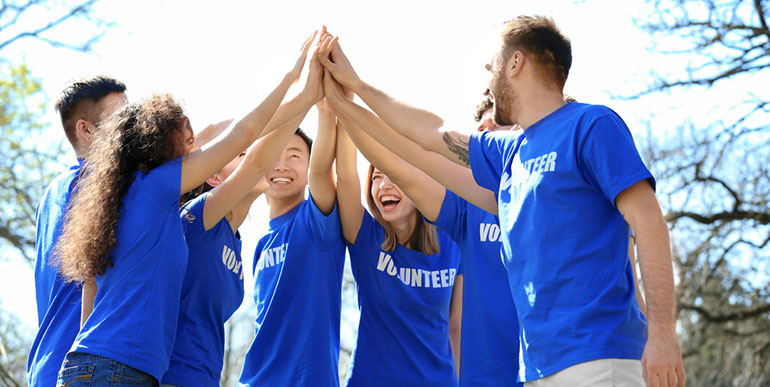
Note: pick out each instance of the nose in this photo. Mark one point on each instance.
(486, 92)
(280, 165)
(385, 183)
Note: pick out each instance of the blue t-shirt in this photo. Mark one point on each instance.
(404, 298)
(556, 186)
(58, 303)
(137, 301)
(211, 292)
(489, 354)
(297, 288)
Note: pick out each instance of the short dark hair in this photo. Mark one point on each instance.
(539, 37)
(79, 99)
(483, 107)
(308, 141)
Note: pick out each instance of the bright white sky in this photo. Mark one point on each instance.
(222, 58)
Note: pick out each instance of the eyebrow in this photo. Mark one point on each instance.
(293, 148)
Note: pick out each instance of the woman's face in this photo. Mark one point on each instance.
(392, 203)
(186, 138)
(228, 169)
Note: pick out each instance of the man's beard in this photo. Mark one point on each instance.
(504, 98)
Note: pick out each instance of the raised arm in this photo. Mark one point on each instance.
(426, 194)
(321, 176)
(240, 184)
(241, 210)
(211, 132)
(348, 187)
(662, 357)
(418, 125)
(454, 177)
(201, 164)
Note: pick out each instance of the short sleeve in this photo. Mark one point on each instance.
(453, 217)
(486, 157)
(326, 230)
(191, 216)
(367, 234)
(460, 264)
(164, 183)
(609, 158)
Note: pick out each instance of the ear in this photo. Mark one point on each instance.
(214, 180)
(84, 132)
(515, 64)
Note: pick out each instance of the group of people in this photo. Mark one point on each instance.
(491, 259)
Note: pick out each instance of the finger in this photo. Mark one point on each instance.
(322, 49)
(327, 45)
(337, 51)
(653, 382)
(306, 44)
(680, 375)
(671, 378)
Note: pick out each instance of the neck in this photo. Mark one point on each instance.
(404, 229)
(539, 103)
(280, 206)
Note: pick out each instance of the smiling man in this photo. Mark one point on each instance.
(567, 189)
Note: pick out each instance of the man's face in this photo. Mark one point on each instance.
(502, 92)
(487, 122)
(288, 177)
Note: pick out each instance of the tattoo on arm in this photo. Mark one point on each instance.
(459, 147)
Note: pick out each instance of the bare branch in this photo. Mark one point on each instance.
(81, 9)
(721, 318)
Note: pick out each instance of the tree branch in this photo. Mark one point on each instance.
(83, 8)
(729, 216)
(721, 318)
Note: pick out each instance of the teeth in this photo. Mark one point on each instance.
(281, 180)
(389, 198)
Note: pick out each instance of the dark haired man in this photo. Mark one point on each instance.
(82, 105)
(566, 191)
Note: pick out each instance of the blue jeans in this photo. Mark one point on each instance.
(84, 370)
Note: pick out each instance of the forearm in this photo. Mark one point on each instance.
(321, 177)
(426, 194)
(241, 210)
(450, 175)
(348, 187)
(203, 163)
(653, 247)
(258, 160)
(418, 125)
(298, 105)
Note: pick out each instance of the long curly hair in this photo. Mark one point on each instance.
(424, 237)
(138, 137)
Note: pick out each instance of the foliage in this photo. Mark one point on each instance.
(26, 155)
(14, 346)
(25, 164)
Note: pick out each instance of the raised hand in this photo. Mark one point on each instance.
(335, 61)
(332, 89)
(313, 90)
(293, 75)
